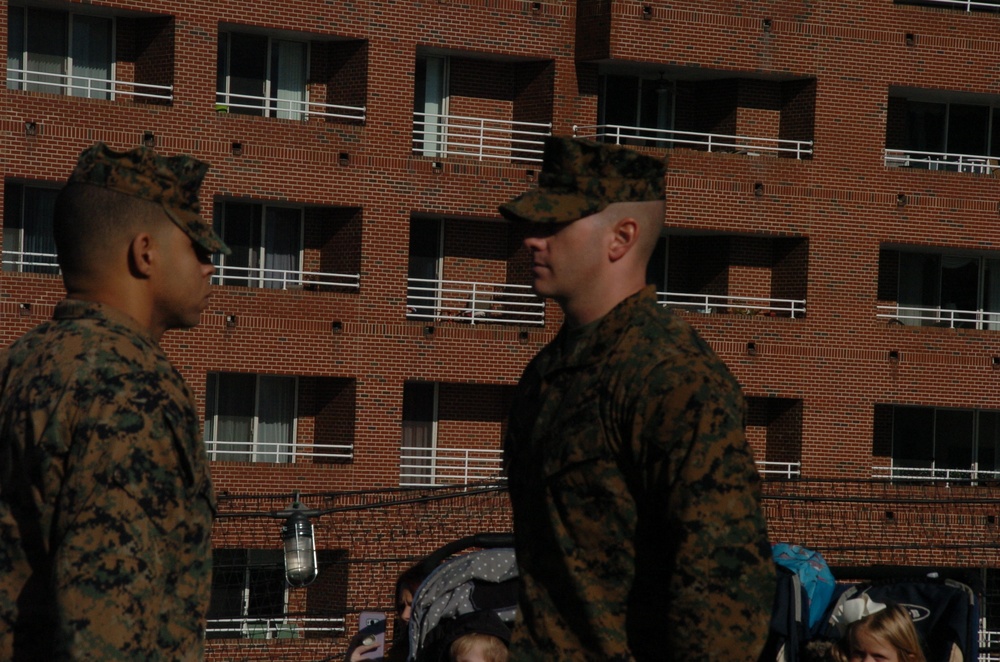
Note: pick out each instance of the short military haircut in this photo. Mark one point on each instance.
(91, 224)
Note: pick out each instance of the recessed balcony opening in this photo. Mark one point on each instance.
(486, 109)
(774, 431)
(732, 274)
(670, 107)
(470, 272)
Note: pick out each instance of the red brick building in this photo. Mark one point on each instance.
(831, 229)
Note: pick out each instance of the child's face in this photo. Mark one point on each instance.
(866, 648)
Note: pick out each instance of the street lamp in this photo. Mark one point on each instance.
(300, 545)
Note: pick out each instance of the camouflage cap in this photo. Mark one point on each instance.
(172, 182)
(582, 177)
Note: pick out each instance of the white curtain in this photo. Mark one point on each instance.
(282, 242)
(91, 57)
(912, 288)
(434, 101)
(229, 416)
(38, 243)
(288, 70)
(275, 417)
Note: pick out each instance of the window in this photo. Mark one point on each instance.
(249, 597)
(250, 418)
(266, 243)
(925, 130)
(59, 52)
(419, 433)
(262, 75)
(959, 291)
(956, 444)
(28, 245)
(430, 105)
(637, 107)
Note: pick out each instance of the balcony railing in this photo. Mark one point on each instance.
(478, 137)
(935, 474)
(973, 163)
(241, 450)
(287, 108)
(967, 5)
(473, 303)
(941, 317)
(281, 279)
(84, 86)
(713, 142)
(989, 646)
(723, 303)
(42, 263)
(779, 469)
(448, 466)
(275, 627)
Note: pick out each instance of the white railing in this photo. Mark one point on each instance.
(281, 279)
(85, 86)
(989, 639)
(241, 450)
(943, 317)
(713, 142)
(448, 466)
(276, 627)
(908, 158)
(723, 303)
(478, 137)
(287, 108)
(968, 5)
(30, 262)
(475, 303)
(934, 473)
(782, 469)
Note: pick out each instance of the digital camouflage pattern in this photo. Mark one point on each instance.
(106, 505)
(636, 510)
(581, 177)
(171, 182)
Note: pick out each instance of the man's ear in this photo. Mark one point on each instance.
(141, 255)
(624, 236)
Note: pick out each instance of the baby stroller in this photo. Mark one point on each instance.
(471, 592)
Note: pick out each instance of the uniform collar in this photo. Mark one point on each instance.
(78, 309)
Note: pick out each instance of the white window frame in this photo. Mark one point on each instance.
(256, 275)
(270, 103)
(18, 264)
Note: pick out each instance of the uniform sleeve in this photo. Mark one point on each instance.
(701, 538)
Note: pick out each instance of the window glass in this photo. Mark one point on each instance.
(621, 101)
(913, 437)
(991, 293)
(968, 129)
(919, 287)
(288, 76)
(925, 126)
(960, 290)
(230, 405)
(418, 432)
(91, 57)
(247, 73)
(28, 242)
(282, 241)
(15, 47)
(953, 429)
(276, 416)
(248, 593)
(239, 225)
(47, 37)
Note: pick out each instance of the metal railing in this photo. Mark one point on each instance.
(289, 108)
(941, 317)
(934, 474)
(85, 86)
(241, 450)
(471, 302)
(972, 163)
(481, 138)
(24, 261)
(419, 465)
(281, 279)
(712, 142)
(779, 469)
(990, 640)
(274, 627)
(968, 5)
(724, 303)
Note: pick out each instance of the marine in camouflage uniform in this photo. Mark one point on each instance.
(636, 512)
(106, 505)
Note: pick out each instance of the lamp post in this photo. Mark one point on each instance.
(300, 545)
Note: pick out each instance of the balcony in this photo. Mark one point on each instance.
(964, 5)
(711, 142)
(473, 303)
(294, 109)
(940, 317)
(720, 303)
(971, 163)
(242, 450)
(84, 86)
(441, 136)
(279, 279)
(421, 466)
(276, 627)
(27, 262)
(785, 470)
(938, 474)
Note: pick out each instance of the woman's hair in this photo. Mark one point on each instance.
(492, 648)
(410, 580)
(892, 626)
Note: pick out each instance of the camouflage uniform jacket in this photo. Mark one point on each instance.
(637, 520)
(106, 505)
